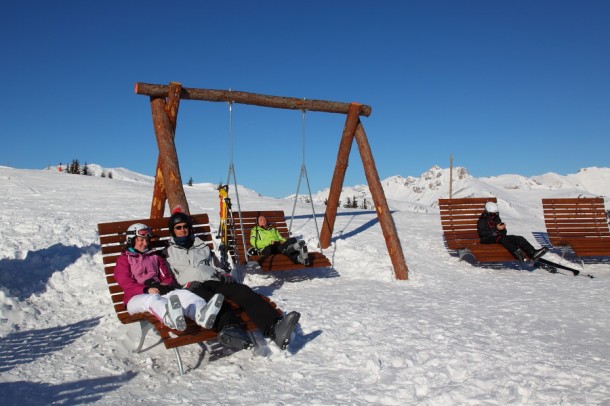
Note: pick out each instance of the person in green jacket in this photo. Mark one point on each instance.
(267, 240)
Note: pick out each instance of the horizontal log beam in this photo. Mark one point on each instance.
(255, 99)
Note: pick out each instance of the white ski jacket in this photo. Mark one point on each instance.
(191, 264)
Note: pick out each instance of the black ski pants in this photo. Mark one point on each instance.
(280, 248)
(514, 242)
(262, 314)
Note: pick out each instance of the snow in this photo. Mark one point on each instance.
(452, 334)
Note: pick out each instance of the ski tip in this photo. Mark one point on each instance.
(576, 273)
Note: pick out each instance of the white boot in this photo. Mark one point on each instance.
(206, 315)
(174, 316)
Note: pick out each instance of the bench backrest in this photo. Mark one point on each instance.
(112, 240)
(570, 218)
(275, 218)
(459, 220)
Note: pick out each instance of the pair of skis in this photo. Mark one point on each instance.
(223, 230)
(553, 266)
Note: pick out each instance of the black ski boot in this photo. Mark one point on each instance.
(294, 247)
(540, 252)
(303, 257)
(232, 336)
(519, 254)
(282, 330)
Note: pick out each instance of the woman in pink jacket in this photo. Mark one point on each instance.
(149, 286)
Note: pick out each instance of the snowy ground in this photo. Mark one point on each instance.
(451, 334)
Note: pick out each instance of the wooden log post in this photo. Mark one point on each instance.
(170, 170)
(157, 208)
(336, 184)
(381, 206)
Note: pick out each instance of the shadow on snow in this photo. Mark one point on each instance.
(27, 346)
(28, 276)
(67, 393)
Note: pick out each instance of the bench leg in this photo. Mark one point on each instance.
(179, 360)
(145, 326)
(463, 252)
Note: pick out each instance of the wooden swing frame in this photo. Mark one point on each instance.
(164, 102)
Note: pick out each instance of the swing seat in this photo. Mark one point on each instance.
(112, 239)
(275, 262)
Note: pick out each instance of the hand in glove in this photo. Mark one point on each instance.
(163, 289)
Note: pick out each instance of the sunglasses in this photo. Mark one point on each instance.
(184, 227)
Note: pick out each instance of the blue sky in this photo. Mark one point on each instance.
(506, 86)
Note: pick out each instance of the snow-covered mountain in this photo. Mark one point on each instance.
(424, 191)
(421, 193)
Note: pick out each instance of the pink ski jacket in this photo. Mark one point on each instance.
(133, 268)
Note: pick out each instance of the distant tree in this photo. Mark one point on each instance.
(85, 170)
(110, 175)
(74, 167)
(348, 204)
(326, 202)
(354, 203)
(190, 181)
(365, 204)
(103, 175)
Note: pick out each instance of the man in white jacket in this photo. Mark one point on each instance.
(197, 270)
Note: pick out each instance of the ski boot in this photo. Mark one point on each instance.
(519, 254)
(282, 330)
(540, 252)
(233, 337)
(174, 316)
(206, 315)
(304, 256)
(294, 247)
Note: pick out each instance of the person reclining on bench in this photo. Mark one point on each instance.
(492, 230)
(268, 240)
(149, 285)
(196, 268)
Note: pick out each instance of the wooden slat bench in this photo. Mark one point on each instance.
(580, 224)
(112, 239)
(459, 222)
(274, 262)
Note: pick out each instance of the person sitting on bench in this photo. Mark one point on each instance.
(198, 270)
(149, 286)
(492, 230)
(268, 240)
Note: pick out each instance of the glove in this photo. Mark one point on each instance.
(163, 289)
(226, 278)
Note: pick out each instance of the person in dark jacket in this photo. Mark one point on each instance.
(492, 230)
(197, 269)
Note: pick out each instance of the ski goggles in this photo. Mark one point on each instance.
(180, 227)
(142, 232)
